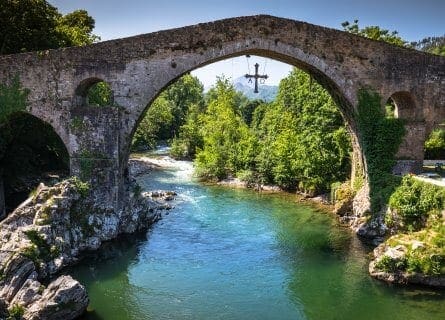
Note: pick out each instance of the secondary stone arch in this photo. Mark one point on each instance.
(34, 150)
(82, 90)
(406, 106)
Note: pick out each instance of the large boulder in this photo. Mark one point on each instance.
(65, 298)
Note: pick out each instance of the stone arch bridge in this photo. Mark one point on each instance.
(138, 68)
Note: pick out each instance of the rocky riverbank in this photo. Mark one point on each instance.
(390, 264)
(412, 257)
(50, 231)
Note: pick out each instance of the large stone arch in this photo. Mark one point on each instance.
(314, 65)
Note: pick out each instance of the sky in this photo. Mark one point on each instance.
(413, 19)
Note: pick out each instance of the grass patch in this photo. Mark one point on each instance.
(82, 187)
(425, 250)
(16, 312)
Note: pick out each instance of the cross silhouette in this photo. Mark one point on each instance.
(256, 76)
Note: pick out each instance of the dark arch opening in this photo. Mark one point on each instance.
(30, 152)
(94, 92)
(402, 105)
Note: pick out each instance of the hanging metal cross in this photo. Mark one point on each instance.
(256, 76)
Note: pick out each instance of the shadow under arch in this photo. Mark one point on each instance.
(405, 106)
(30, 152)
(327, 77)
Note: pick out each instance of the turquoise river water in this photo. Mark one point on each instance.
(236, 254)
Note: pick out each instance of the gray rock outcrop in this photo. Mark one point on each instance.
(49, 232)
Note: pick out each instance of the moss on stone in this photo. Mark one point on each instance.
(13, 98)
(78, 124)
(16, 312)
(40, 250)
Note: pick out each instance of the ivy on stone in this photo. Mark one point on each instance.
(380, 138)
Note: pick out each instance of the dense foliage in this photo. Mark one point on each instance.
(100, 95)
(29, 25)
(297, 142)
(413, 202)
(228, 145)
(303, 140)
(155, 125)
(435, 145)
(416, 209)
(169, 112)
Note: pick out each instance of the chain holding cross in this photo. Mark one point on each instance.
(256, 76)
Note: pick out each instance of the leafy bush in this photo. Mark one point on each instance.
(433, 264)
(415, 200)
(389, 264)
(435, 145)
(100, 95)
(82, 187)
(341, 191)
(40, 249)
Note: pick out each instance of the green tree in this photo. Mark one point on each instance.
(375, 33)
(29, 25)
(100, 95)
(168, 113)
(228, 145)
(303, 140)
(154, 125)
(247, 109)
(190, 138)
(182, 94)
(435, 145)
(434, 45)
(76, 29)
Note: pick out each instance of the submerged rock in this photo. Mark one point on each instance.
(49, 232)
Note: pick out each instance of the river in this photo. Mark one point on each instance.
(237, 254)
